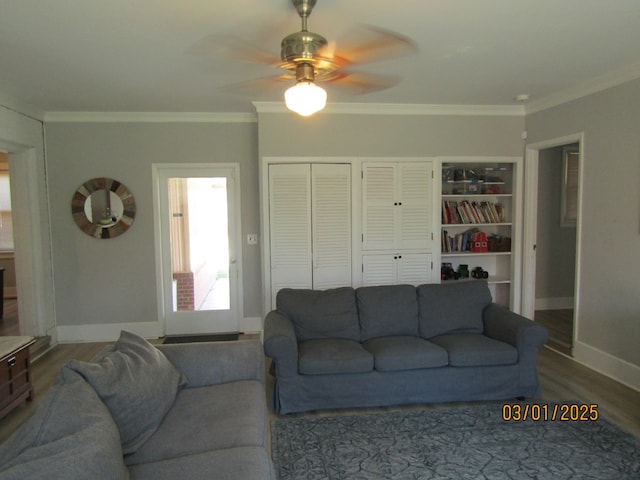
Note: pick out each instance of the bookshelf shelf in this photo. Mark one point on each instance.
(480, 201)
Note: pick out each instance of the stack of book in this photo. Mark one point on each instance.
(464, 212)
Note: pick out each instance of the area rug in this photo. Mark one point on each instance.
(226, 337)
(471, 443)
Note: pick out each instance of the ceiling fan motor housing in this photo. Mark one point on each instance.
(301, 46)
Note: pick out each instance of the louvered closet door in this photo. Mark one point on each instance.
(378, 206)
(290, 227)
(331, 225)
(415, 268)
(415, 212)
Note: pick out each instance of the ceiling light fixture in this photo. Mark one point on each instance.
(305, 97)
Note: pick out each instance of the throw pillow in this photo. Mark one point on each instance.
(137, 383)
(454, 307)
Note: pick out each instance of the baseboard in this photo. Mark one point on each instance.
(554, 303)
(110, 332)
(251, 325)
(106, 332)
(605, 363)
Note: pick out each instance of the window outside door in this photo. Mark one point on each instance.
(197, 248)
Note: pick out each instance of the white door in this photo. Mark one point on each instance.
(309, 226)
(197, 247)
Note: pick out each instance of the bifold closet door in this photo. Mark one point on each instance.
(310, 226)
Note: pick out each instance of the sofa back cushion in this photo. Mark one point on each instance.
(71, 435)
(388, 310)
(315, 314)
(452, 307)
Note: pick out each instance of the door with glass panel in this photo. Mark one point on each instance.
(197, 248)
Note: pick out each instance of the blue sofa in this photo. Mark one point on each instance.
(398, 344)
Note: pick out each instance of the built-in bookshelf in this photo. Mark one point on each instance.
(479, 202)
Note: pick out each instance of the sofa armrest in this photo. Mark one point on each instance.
(509, 327)
(280, 343)
(211, 363)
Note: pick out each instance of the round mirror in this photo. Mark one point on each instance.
(103, 208)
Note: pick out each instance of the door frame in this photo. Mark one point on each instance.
(532, 154)
(160, 171)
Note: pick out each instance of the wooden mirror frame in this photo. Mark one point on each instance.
(97, 230)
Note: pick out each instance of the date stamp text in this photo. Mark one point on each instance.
(553, 412)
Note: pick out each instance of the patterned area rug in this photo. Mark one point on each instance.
(471, 443)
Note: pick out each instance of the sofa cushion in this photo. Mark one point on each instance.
(405, 353)
(453, 307)
(214, 417)
(329, 313)
(238, 463)
(137, 383)
(387, 311)
(475, 350)
(71, 435)
(333, 355)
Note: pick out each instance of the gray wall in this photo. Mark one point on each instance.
(609, 290)
(114, 281)
(284, 134)
(556, 245)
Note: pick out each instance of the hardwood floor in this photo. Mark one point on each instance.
(9, 325)
(560, 326)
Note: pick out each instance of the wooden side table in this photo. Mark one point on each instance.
(15, 373)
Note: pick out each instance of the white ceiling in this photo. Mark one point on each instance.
(133, 55)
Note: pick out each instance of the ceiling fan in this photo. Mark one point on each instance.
(309, 59)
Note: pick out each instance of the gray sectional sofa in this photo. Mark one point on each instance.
(398, 344)
(186, 411)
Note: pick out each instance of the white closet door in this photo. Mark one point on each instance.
(378, 207)
(379, 269)
(416, 197)
(331, 225)
(414, 268)
(290, 227)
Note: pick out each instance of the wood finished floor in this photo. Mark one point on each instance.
(559, 323)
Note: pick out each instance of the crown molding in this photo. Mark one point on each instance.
(150, 117)
(595, 85)
(402, 109)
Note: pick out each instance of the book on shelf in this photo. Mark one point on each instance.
(469, 212)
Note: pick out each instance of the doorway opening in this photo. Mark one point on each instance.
(197, 248)
(551, 238)
(9, 319)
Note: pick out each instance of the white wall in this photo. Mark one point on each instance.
(101, 285)
(609, 292)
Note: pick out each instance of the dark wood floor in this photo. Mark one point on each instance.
(9, 324)
(559, 323)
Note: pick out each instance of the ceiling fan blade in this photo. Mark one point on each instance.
(367, 44)
(229, 47)
(259, 85)
(358, 83)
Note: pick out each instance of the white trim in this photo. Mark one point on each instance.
(530, 224)
(150, 117)
(402, 109)
(602, 362)
(106, 332)
(554, 303)
(594, 85)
